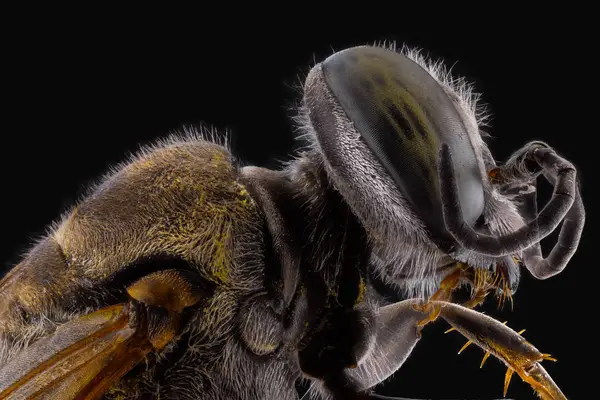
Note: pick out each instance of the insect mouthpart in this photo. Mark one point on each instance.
(482, 283)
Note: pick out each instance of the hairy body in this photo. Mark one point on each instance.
(285, 256)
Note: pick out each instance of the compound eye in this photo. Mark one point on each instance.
(404, 115)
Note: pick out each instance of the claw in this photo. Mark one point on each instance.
(510, 347)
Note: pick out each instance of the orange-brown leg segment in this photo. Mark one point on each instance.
(444, 293)
(482, 281)
(510, 347)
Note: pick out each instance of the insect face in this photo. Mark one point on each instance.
(403, 115)
(380, 118)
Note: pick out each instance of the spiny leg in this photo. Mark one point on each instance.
(394, 337)
(497, 339)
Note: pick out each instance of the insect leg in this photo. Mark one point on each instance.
(394, 337)
(537, 229)
(566, 246)
(519, 168)
(444, 293)
(507, 345)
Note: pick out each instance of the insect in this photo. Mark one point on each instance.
(185, 275)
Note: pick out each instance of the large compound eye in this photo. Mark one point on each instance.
(404, 116)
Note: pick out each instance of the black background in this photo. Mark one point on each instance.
(84, 92)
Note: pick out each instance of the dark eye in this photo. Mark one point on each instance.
(404, 116)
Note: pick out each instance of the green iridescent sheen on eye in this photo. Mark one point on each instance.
(393, 101)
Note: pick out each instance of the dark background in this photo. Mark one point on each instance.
(84, 92)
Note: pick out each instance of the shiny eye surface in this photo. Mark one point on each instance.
(404, 115)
